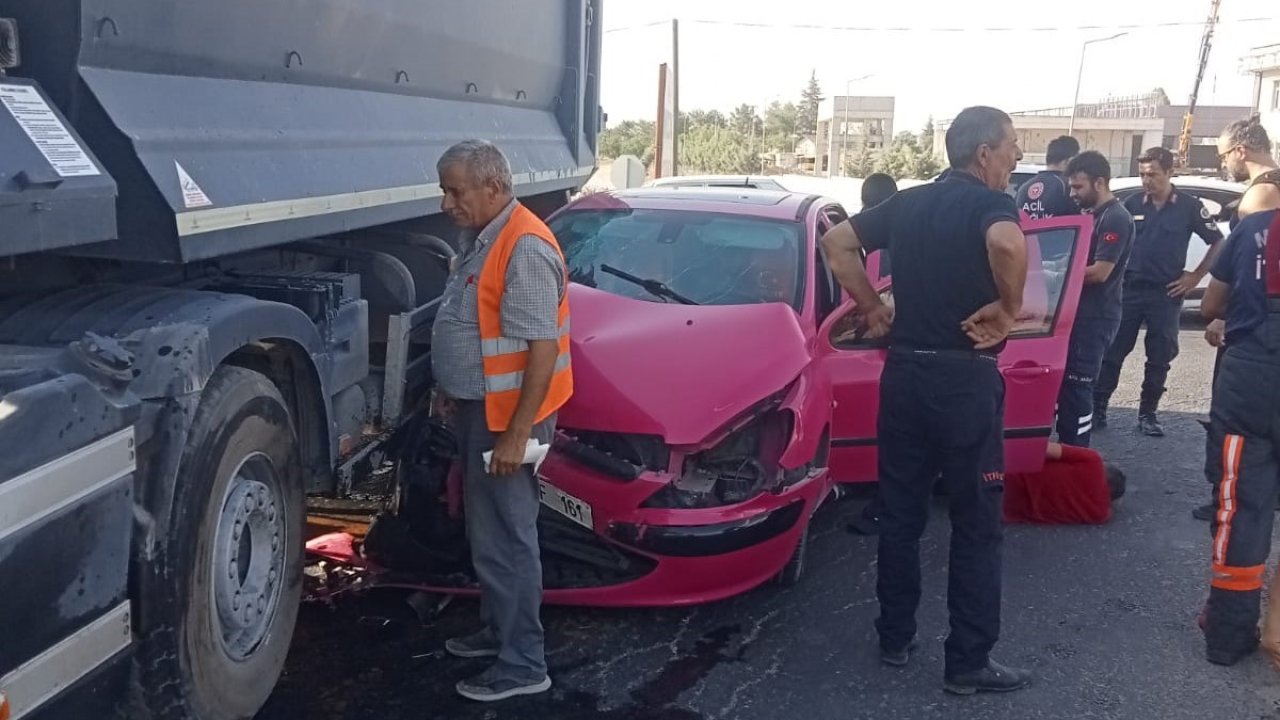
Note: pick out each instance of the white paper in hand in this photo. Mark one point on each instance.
(534, 453)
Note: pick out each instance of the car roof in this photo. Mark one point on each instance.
(1205, 182)
(718, 179)
(773, 204)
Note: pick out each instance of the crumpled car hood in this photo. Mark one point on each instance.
(677, 371)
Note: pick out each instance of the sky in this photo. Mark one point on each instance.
(930, 72)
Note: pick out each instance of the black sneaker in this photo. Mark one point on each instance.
(992, 678)
(476, 645)
(899, 658)
(493, 685)
(1150, 426)
(1204, 512)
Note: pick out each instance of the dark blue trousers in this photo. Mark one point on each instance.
(1090, 338)
(942, 414)
(1149, 304)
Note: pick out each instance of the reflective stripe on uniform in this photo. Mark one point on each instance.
(502, 346)
(514, 380)
(493, 347)
(1239, 579)
(1232, 448)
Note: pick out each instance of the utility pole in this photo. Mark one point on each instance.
(675, 96)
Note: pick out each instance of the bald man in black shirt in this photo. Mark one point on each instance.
(959, 267)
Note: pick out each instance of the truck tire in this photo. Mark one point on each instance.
(223, 601)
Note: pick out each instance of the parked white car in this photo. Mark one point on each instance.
(1219, 196)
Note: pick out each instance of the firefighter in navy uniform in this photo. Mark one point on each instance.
(1098, 315)
(1245, 152)
(1155, 283)
(1047, 193)
(959, 267)
(1244, 432)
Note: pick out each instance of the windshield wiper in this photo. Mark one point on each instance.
(653, 287)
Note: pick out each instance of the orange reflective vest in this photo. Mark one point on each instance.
(505, 359)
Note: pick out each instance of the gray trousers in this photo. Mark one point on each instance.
(502, 529)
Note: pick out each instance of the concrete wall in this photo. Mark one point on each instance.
(869, 120)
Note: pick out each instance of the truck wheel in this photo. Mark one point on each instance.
(222, 604)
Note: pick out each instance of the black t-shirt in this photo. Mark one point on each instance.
(1160, 244)
(1240, 266)
(1112, 242)
(1046, 194)
(936, 234)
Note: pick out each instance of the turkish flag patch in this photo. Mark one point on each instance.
(1111, 238)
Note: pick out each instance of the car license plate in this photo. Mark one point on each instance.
(565, 504)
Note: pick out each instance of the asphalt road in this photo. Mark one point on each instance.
(1104, 615)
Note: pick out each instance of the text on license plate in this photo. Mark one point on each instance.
(565, 504)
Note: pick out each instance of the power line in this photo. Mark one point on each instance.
(904, 29)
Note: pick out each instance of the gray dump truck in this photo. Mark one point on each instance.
(220, 252)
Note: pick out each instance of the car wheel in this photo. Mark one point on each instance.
(791, 572)
(224, 591)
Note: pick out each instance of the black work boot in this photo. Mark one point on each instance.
(1100, 403)
(992, 678)
(1148, 423)
(899, 658)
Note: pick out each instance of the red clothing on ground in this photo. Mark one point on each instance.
(1070, 491)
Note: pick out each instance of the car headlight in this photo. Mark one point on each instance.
(741, 466)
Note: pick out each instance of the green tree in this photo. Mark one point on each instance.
(810, 100)
(899, 159)
(629, 137)
(700, 118)
(744, 120)
(926, 137)
(713, 150)
(861, 162)
(907, 159)
(781, 126)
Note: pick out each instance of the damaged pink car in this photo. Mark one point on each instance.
(723, 389)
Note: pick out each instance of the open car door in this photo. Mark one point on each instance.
(1033, 362)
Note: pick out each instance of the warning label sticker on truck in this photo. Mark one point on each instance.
(46, 131)
(192, 195)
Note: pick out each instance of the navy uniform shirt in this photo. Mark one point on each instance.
(936, 234)
(1160, 246)
(1046, 194)
(1112, 242)
(1240, 265)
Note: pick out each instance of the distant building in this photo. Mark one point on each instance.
(1121, 128)
(1264, 64)
(850, 123)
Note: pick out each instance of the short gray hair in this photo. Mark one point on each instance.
(1249, 134)
(484, 159)
(974, 127)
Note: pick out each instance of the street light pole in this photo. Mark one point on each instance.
(1075, 103)
(844, 129)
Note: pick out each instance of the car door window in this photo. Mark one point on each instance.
(828, 288)
(1049, 255)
